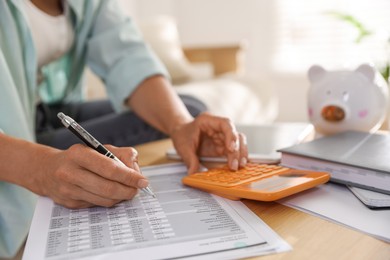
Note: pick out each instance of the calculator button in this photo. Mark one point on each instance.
(227, 178)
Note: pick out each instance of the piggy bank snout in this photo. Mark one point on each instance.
(333, 113)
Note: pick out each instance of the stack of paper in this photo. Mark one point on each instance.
(336, 203)
(179, 222)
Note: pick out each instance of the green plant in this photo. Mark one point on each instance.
(363, 33)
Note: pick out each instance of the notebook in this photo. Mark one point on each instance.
(264, 140)
(355, 158)
(372, 199)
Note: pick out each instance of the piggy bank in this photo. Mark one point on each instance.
(346, 100)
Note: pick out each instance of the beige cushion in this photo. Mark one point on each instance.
(161, 34)
(231, 98)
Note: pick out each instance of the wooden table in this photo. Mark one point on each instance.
(311, 237)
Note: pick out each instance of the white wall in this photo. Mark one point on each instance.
(222, 22)
(218, 22)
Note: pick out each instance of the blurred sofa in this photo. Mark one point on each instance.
(213, 74)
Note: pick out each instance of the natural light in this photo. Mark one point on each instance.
(326, 33)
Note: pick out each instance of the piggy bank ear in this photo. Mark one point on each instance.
(367, 70)
(316, 72)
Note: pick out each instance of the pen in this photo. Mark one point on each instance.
(91, 141)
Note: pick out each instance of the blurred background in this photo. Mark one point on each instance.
(280, 39)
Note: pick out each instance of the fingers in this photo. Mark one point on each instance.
(101, 187)
(243, 150)
(223, 130)
(238, 157)
(193, 166)
(191, 159)
(84, 177)
(213, 125)
(128, 155)
(107, 168)
(73, 196)
(233, 157)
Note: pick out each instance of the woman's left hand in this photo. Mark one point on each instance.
(210, 136)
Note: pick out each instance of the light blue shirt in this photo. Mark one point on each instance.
(105, 39)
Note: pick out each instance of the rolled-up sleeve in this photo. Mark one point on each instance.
(118, 54)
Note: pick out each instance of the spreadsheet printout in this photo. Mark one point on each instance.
(179, 222)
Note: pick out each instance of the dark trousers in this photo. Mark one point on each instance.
(99, 119)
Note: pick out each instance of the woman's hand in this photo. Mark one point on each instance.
(209, 135)
(81, 177)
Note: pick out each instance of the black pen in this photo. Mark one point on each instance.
(91, 141)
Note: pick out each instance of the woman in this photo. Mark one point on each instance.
(45, 46)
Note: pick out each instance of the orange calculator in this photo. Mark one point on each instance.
(263, 182)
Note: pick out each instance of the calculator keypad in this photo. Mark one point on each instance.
(227, 178)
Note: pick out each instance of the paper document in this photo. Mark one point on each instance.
(336, 203)
(180, 222)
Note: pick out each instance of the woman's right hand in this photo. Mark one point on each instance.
(81, 177)
(75, 178)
